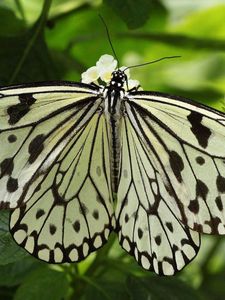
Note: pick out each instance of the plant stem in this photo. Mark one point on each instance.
(39, 26)
(179, 40)
(65, 14)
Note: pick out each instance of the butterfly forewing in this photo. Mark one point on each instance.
(68, 210)
(35, 124)
(188, 140)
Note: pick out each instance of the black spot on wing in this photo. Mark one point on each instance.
(36, 146)
(220, 183)
(6, 166)
(219, 203)
(197, 227)
(98, 198)
(158, 240)
(175, 248)
(214, 223)
(76, 226)
(98, 171)
(201, 132)
(12, 138)
(201, 189)
(12, 184)
(126, 218)
(140, 233)
(18, 111)
(40, 213)
(96, 214)
(200, 160)
(194, 206)
(52, 229)
(169, 225)
(176, 164)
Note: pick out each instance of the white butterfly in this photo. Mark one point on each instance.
(67, 148)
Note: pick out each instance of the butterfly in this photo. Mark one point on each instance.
(80, 160)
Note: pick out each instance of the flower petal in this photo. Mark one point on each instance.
(132, 83)
(90, 75)
(106, 63)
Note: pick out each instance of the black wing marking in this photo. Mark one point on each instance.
(35, 121)
(189, 139)
(68, 211)
(147, 221)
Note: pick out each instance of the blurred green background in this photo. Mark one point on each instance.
(58, 40)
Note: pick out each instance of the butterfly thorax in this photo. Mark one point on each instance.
(114, 92)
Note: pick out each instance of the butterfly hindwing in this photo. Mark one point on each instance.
(68, 211)
(147, 219)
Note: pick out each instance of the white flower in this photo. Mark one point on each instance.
(132, 83)
(106, 65)
(106, 75)
(106, 61)
(90, 75)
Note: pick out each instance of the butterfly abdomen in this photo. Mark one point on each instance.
(113, 117)
(115, 154)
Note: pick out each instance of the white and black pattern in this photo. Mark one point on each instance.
(189, 141)
(68, 211)
(34, 127)
(68, 150)
(148, 219)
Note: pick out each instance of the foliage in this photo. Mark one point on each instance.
(59, 39)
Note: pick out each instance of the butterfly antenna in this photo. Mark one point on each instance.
(152, 62)
(109, 38)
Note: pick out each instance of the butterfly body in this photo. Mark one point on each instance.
(113, 95)
(69, 147)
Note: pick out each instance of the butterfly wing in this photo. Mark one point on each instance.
(148, 222)
(68, 211)
(35, 122)
(188, 139)
(55, 170)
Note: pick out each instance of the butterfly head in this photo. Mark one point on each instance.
(118, 79)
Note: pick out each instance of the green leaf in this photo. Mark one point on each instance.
(213, 286)
(105, 290)
(159, 288)
(18, 65)
(14, 273)
(211, 20)
(25, 57)
(43, 284)
(9, 21)
(10, 252)
(7, 293)
(134, 13)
